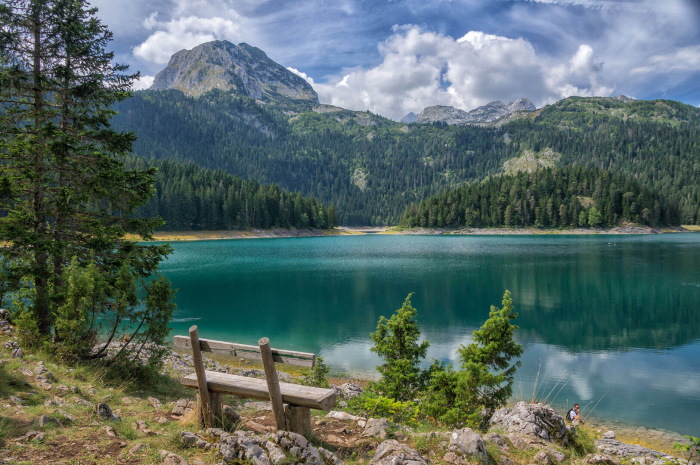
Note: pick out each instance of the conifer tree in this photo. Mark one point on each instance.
(69, 194)
(396, 341)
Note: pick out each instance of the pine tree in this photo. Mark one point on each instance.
(396, 341)
(70, 194)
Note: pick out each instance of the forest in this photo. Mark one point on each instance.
(191, 198)
(372, 168)
(568, 197)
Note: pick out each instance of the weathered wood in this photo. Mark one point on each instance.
(290, 357)
(204, 403)
(254, 388)
(273, 383)
(298, 419)
(217, 401)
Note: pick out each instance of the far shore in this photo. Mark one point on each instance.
(172, 236)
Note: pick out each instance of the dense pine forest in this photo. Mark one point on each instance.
(191, 198)
(372, 168)
(548, 198)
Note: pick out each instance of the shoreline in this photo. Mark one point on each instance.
(176, 236)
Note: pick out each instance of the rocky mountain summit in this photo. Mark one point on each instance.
(241, 68)
(484, 114)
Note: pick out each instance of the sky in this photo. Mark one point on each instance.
(393, 57)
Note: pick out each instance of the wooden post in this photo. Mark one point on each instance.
(298, 419)
(273, 383)
(204, 401)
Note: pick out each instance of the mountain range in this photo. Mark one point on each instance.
(230, 107)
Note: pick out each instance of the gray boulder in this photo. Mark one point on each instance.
(466, 446)
(377, 427)
(535, 420)
(392, 452)
(633, 452)
(105, 412)
(350, 390)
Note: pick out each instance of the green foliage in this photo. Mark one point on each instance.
(396, 341)
(65, 192)
(548, 198)
(657, 143)
(191, 198)
(374, 405)
(693, 448)
(317, 375)
(485, 380)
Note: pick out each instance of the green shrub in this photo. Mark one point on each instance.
(317, 375)
(373, 405)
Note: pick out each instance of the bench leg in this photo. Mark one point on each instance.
(298, 419)
(216, 399)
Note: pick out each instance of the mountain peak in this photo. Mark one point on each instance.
(488, 113)
(241, 68)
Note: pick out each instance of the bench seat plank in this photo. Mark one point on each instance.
(244, 386)
(290, 357)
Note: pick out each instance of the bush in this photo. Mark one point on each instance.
(317, 375)
(373, 405)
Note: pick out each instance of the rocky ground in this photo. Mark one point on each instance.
(54, 414)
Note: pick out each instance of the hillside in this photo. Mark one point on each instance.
(371, 168)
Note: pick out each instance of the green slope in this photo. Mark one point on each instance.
(372, 168)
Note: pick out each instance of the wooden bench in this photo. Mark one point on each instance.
(291, 403)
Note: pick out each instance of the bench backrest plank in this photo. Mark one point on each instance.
(231, 349)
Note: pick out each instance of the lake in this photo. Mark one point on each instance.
(610, 322)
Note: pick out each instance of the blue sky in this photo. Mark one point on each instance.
(396, 56)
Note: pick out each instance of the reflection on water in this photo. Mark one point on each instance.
(617, 328)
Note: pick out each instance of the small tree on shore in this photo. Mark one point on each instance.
(485, 381)
(396, 340)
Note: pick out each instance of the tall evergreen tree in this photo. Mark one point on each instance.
(69, 194)
(396, 341)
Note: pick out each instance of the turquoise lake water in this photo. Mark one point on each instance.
(610, 322)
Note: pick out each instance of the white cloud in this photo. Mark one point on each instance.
(421, 68)
(185, 32)
(683, 60)
(144, 82)
(302, 75)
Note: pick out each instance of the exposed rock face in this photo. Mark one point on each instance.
(484, 114)
(466, 446)
(536, 420)
(242, 68)
(392, 452)
(639, 454)
(409, 118)
(273, 450)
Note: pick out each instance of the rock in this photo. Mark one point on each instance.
(105, 412)
(350, 390)
(629, 451)
(241, 69)
(377, 427)
(26, 371)
(535, 420)
(11, 345)
(65, 416)
(16, 400)
(344, 416)
(45, 420)
(191, 440)
(392, 452)
(329, 457)
(155, 403)
(17, 353)
(541, 458)
(609, 435)
(111, 432)
(466, 446)
(32, 436)
(230, 414)
(141, 426)
(556, 455)
(138, 448)
(183, 407)
(172, 459)
(497, 439)
(599, 459)
(162, 420)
